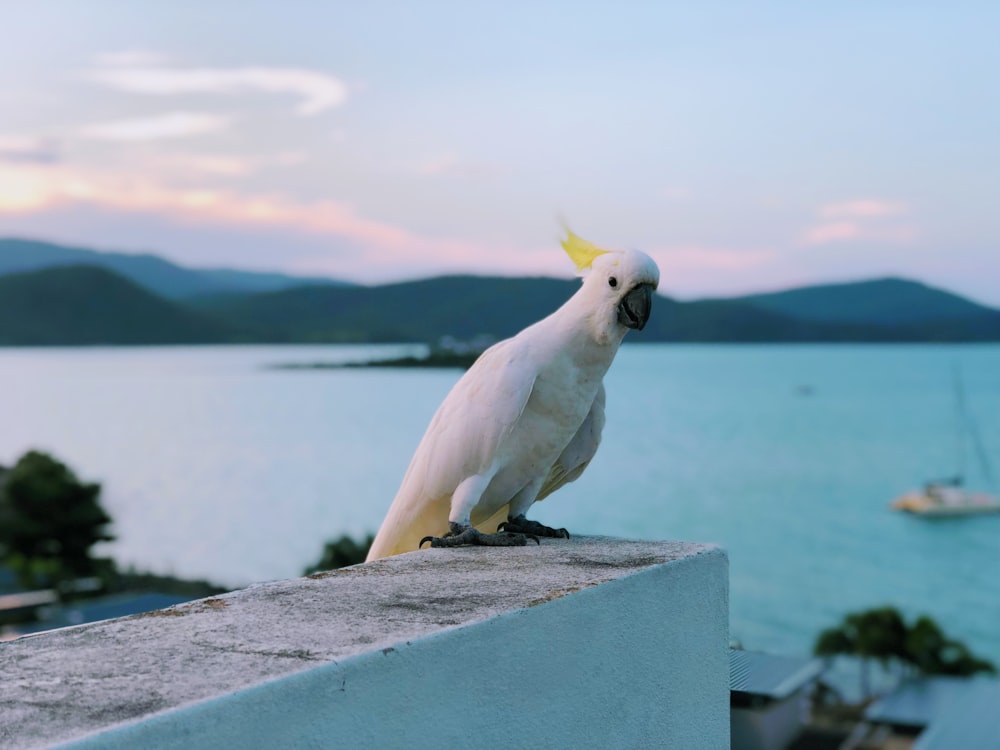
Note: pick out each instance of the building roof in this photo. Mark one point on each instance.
(972, 721)
(770, 676)
(916, 702)
(955, 711)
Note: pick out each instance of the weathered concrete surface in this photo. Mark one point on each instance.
(617, 640)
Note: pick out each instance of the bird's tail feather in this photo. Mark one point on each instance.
(404, 526)
(407, 523)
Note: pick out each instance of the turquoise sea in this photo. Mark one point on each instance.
(215, 466)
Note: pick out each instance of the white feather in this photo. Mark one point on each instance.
(523, 421)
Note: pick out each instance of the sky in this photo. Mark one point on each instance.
(746, 146)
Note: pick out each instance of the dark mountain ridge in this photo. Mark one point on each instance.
(71, 305)
(464, 306)
(152, 272)
(85, 305)
(890, 300)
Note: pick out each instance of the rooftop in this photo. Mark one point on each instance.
(952, 712)
(770, 676)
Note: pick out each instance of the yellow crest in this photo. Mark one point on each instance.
(580, 251)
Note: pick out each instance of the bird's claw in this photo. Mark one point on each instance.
(459, 536)
(521, 525)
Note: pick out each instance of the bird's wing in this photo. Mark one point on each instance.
(462, 440)
(580, 450)
(465, 436)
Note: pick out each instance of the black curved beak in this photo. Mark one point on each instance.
(633, 310)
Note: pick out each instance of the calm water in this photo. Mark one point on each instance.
(214, 466)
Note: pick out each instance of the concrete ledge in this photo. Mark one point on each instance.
(588, 642)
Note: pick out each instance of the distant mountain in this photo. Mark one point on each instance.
(425, 310)
(89, 305)
(150, 271)
(888, 301)
(889, 309)
(82, 305)
(726, 321)
(464, 306)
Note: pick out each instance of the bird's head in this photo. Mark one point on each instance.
(618, 285)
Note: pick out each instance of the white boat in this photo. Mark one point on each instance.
(948, 497)
(940, 500)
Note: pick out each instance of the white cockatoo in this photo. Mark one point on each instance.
(525, 419)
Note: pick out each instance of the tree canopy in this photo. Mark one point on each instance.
(883, 635)
(341, 553)
(49, 521)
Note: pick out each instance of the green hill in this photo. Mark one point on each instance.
(725, 321)
(464, 306)
(149, 271)
(78, 305)
(888, 301)
(426, 310)
(71, 305)
(889, 309)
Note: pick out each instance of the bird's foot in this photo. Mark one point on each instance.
(461, 535)
(521, 525)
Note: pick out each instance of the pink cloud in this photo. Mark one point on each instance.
(451, 165)
(846, 231)
(863, 208)
(185, 165)
(31, 149)
(862, 219)
(713, 271)
(832, 232)
(32, 189)
(377, 249)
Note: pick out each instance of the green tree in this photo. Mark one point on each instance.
(925, 645)
(341, 553)
(931, 652)
(883, 635)
(877, 634)
(49, 520)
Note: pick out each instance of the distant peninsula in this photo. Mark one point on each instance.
(434, 360)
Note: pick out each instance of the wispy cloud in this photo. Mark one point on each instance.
(863, 208)
(221, 165)
(861, 219)
(27, 149)
(845, 231)
(207, 164)
(452, 165)
(317, 91)
(27, 189)
(169, 125)
(832, 231)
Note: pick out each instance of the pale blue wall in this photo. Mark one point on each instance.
(639, 661)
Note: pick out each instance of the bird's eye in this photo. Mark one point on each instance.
(612, 282)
